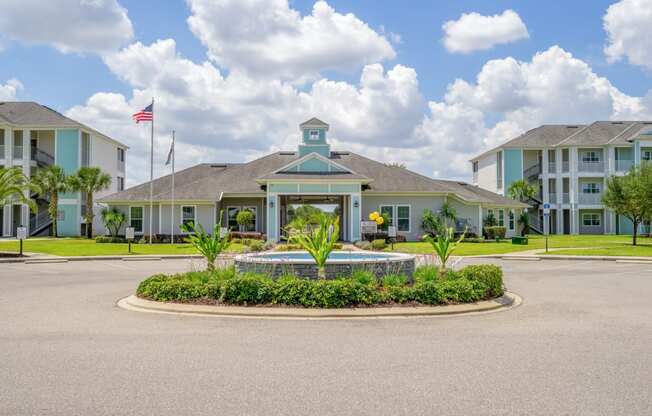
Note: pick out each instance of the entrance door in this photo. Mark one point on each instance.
(566, 221)
(306, 208)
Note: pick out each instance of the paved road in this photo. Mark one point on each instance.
(581, 344)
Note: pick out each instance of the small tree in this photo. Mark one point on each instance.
(631, 196)
(320, 241)
(524, 222)
(210, 246)
(13, 185)
(521, 190)
(245, 218)
(444, 245)
(113, 220)
(52, 181)
(89, 180)
(431, 223)
(448, 214)
(490, 220)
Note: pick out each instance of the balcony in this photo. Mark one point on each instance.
(552, 167)
(121, 168)
(589, 166)
(18, 152)
(565, 166)
(552, 197)
(42, 158)
(590, 199)
(565, 198)
(2, 151)
(532, 173)
(624, 165)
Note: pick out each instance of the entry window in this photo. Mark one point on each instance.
(646, 155)
(511, 219)
(590, 188)
(136, 218)
(501, 218)
(188, 215)
(389, 210)
(314, 135)
(590, 156)
(403, 218)
(231, 215)
(591, 220)
(251, 227)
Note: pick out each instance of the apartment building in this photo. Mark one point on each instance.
(569, 166)
(33, 136)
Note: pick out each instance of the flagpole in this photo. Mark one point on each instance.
(151, 176)
(172, 214)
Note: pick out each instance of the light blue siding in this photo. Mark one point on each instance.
(355, 217)
(69, 225)
(322, 136)
(272, 220)
(313, 165)
(68, 150)
(513, 160)
(288, 188)
(345, 188)
(322, 149)
(313, 188)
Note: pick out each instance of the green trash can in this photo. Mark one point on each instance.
(519, 240)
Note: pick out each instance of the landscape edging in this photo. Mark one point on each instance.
(134, 303)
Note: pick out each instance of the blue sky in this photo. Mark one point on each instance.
(66, 77)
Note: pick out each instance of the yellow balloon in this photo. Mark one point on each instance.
(380, 220)
(373, 216)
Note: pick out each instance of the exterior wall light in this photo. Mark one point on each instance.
(271, 203)
(356, 204)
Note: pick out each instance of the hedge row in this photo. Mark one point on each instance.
(470, 284)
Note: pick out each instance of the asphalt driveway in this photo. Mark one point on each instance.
(580, 344)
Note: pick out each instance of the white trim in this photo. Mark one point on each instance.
(310, 156)
(394, 219)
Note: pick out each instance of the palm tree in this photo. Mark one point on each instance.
(13, 184)
(89, 180)
(521, 190)
(52, 181)
(448, 214)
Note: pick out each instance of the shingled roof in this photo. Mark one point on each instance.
(31, 114)
(208, 182)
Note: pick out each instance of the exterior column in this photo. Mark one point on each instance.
(272, 217)
(559, 186)
(7, 220)
(572, 190)
(27, 170)
(355, 210)
(545, 191)
(480, 218)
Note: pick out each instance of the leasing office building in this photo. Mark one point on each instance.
(274, 186)
(569, 166)
(33, 136)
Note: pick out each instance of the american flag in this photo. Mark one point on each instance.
(146, 114)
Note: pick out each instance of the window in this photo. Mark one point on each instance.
(501, 218)
(389, 210)
(511, 219)
(121, 154)
(187, 215)
(590, 156)
(231, 214)
(646, 155)
(403, 218)
(252, 226)
(591, 220)
(121, 183)
(232, 217)
(313, 135)
(136, 218)
(590, 188)
(85, 149)
(475, 167)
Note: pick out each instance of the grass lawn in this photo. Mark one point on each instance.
(84, 247)
(606, 245)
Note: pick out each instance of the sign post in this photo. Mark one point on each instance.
(21, 234)
(391, 233)
(129, 234)
(546, 221)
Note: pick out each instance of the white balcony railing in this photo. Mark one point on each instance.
(2, 151)
(121, 168)
(565, 166)
(565, 198)
(552, 167)
(590, 199)
(624, 165)
(18, 152)
(552, 197)
(585, 166)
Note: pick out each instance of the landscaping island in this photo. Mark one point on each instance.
(361, 289)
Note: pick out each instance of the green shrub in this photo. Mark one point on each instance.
(256, 245)
(395, 280)
(291, 290)
(248, 289)
(460, 290)
(363, 244)
(398, 294)
(379, 244)
(164, 288)
(427, 292)
(365, 277)
(426, 274)
(340, 293)
(108, 239)
(495, 232)
(490, 275)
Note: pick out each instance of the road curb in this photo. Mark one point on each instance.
(618, 259)
(144, 257)
(133, 303)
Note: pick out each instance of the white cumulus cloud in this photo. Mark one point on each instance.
(95, 26)
(473, 31)
(269, 38)
(9, 90)
(628, 24)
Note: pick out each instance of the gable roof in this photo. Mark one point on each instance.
(32, 114)
(208, 182)
(314, 122)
